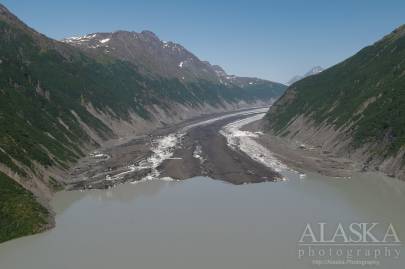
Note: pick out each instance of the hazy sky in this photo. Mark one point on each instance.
(269, 39)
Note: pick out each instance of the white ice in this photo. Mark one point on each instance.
(104, 40)
(244, 141)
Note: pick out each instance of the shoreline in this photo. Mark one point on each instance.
(303, 157)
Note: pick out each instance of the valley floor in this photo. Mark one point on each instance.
(181, 151)
(226, 146)
(205, 151)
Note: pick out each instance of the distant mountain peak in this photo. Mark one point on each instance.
(313, 71)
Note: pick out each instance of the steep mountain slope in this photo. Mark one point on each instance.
(20, 213)
(355, 108)
(313, 71)
(57, 102)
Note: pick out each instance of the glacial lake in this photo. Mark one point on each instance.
(205, 223)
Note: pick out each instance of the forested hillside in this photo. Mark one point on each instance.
(362, 98)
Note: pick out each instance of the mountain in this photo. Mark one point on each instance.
(355, 108)
(313, 71)
(148, 52)
(158, 58)
(59, 100)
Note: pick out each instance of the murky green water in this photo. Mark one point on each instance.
(202, 223)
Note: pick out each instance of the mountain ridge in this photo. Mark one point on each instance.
(158, 57)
